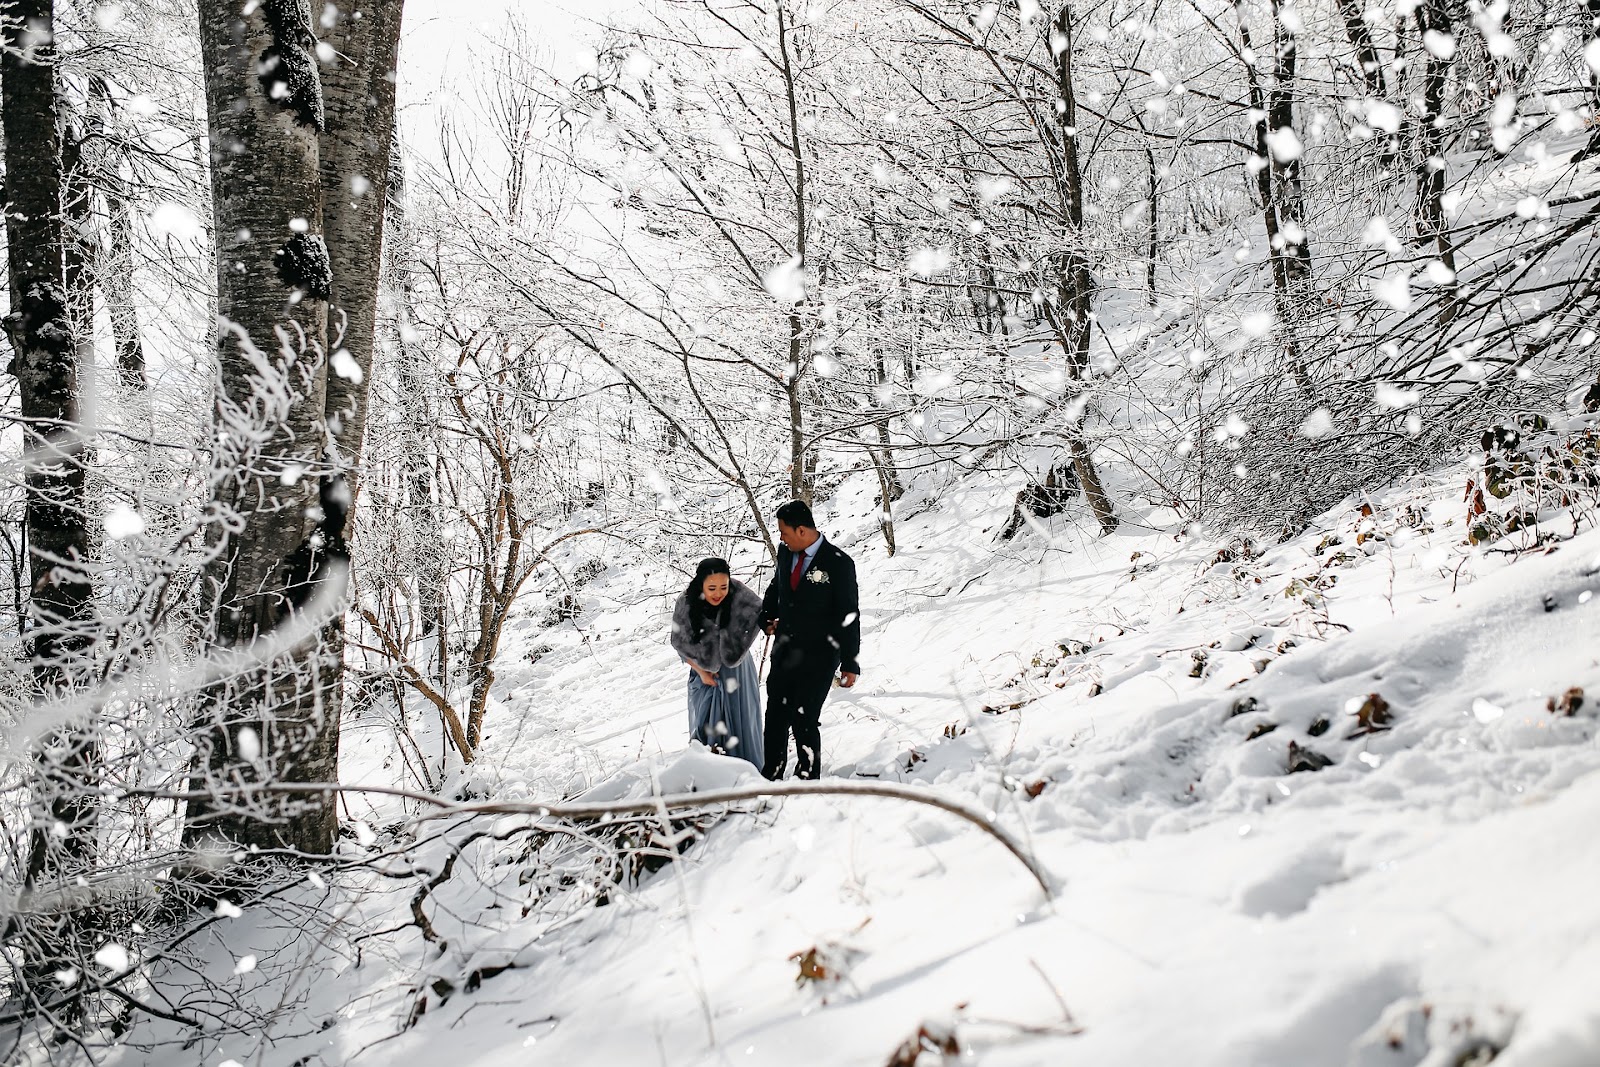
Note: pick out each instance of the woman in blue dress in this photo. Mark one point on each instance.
(714, 626)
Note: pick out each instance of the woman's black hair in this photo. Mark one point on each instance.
(699, 610)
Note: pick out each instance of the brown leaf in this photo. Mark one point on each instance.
(1373, 716)
(812, 967)
(937, 1039)
(1570, 703)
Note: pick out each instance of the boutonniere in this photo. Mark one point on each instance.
(818, 576)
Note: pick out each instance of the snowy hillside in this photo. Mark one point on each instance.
(1206, 395)
(1258, 862)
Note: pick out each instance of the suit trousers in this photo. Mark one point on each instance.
(796, 690)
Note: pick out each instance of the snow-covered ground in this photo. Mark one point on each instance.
(1131, 708)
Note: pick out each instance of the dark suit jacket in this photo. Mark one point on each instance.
(823, 616)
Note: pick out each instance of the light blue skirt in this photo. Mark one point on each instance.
(727, 715)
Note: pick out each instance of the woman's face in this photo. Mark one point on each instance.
(715, 589)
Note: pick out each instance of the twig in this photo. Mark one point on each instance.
(681, 801)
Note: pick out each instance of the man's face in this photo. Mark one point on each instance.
(795, 538)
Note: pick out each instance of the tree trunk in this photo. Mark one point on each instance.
(1075, 283)
(78, 241)
(887, 493)
(800, 485)
(265, 104)
(1279, 188)
(1153, 225)
(1368, 61)
(1370, 64)
(115, 261)
(44, 362)
(883, 458)
(1286, 168)
(1430, 222)
(1591, 13)
(358, 86)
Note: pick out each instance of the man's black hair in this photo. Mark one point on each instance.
(797, 513)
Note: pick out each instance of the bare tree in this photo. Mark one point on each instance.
(1432, 227)
(115, 255)
(45, 362)
(1276, 164)
(1033, 72)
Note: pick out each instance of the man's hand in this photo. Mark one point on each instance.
(772, 627)
(847, 680)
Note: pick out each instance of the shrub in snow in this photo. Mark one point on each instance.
(1531, 468)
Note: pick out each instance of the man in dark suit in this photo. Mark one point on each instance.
(812, 606)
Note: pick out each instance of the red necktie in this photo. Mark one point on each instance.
(794, 575)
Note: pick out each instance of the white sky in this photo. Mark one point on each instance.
(446, 43)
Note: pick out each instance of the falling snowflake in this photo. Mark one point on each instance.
(928, 262)
(1393, 291)
(122, 521)
(1258, 324)
(1440, 45)
(1284, 144)
(112, 957)
(992, 189)
(1378, 234)
(249, 745)
(1384, 116)
(1391, 397)
(1486, 712)
(1531, 207)
(346, 367)
(786, 282)
(1317, 424)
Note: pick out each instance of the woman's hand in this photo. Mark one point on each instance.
(708, 678)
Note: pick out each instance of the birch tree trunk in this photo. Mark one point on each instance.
(271, 719)
(358, 86)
